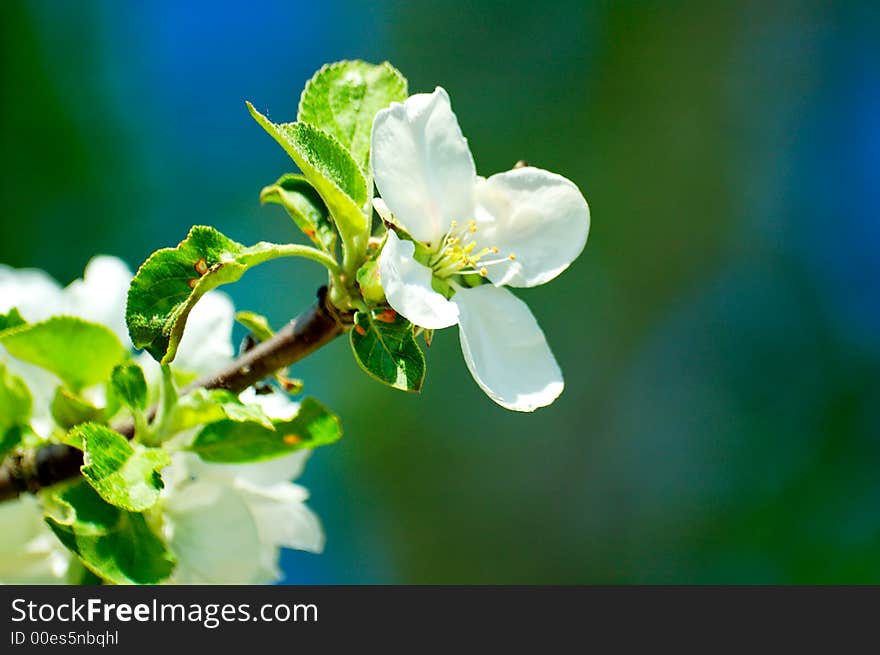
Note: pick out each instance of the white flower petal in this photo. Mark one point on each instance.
(42, 385)
(101, 294)
(277, 404)
(33, 292)
(407, 286)
(540, 217)
(227, 523)
(282, 516)
(505, 349)
(29, 552)
(265, 473)
(382, 209)
(212, 532)
(271, 471)
(422, 165)
(207, 340)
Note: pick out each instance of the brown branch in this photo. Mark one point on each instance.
(317, 326)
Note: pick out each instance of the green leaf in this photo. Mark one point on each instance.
(257, 324)
(342, 99)
(72, 439)
(305, 206)
(122, 475)
(70, 410)
(203, 406)
(9, 439)
(11, 319)
(384, 346)
(78, 352)
(169, 284)
(329, 167)
(116, 545)
(77, 574)
(15, 400)
(231, 442)
(130, 386)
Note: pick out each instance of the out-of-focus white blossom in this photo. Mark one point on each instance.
(225, 523)
(520, 228)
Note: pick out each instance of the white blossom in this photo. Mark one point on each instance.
(520, 228)
(29, 552)
(224, 523)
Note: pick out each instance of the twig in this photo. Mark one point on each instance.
(314, 328)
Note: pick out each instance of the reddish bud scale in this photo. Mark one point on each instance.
(388, 316)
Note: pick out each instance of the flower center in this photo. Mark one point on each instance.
(460, 254)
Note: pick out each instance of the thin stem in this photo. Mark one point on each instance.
(142, 427)
(168, 396)
(261, 254)
(360, 305)
(353, 249)
(294, 250)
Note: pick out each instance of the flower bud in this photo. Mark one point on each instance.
(368, 281)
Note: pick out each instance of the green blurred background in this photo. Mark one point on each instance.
(720, 335)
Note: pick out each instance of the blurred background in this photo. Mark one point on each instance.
(720, 335)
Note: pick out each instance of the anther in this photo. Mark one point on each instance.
(484, 271)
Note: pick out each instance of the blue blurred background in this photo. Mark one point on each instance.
(720, 335)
